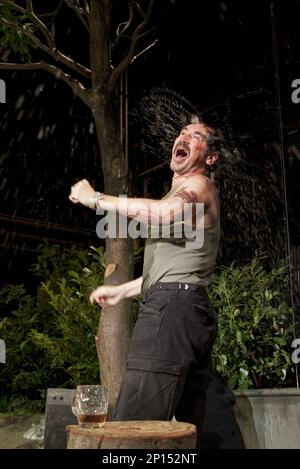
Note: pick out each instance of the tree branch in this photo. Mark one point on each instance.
(125, 25)
(22, 29)
(13, 5)
(139, 8)
(144, 50)
(39, 24)
(51, 48)
(28, 12)
(53, 13)
(139, 30)
(87, 7)
(78, 89)
(154, 168)
(79, 12)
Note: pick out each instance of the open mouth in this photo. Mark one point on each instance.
(181, 153)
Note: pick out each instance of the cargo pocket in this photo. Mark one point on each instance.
(148, 389)
(146, 330)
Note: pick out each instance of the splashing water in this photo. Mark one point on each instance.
(159, 116)
(250, 222)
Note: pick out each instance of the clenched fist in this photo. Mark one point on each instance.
(82, 192)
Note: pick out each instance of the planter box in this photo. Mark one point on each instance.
(269, 418)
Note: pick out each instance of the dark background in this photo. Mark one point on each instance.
(218, 55)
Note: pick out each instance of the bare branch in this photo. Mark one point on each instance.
(80, 12)
(154, 168)
(139, 8)
(125, 25)
(39, 24)
(148, 31)
(77, 87)
(53, 13)
(144, 50)
(51, 48)
(77, 67)
(139, 30)
(87, 7)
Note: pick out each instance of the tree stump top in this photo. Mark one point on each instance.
(134, 434)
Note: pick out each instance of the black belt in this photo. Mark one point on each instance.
(176, 286)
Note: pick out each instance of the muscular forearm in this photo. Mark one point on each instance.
(132, 288)
(147, 211)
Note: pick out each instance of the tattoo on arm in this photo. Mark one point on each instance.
(186, 195)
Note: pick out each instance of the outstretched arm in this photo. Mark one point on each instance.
(112, 294)
(144, 210)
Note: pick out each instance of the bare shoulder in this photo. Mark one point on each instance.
(202, 182)
(197, 188)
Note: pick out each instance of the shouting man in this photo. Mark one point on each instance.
(169, 369)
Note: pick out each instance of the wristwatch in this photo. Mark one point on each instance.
(94, 200)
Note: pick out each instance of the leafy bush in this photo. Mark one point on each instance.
(24, 375)
(70, 345)
(253, 348)
(50, 338)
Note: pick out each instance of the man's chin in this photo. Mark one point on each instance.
(177, 167)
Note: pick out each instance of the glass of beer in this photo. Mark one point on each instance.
(90, 405)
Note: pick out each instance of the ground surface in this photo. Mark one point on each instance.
(12, 429)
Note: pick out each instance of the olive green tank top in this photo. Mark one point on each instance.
(180, 260)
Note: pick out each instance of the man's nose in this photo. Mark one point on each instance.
(186, 138)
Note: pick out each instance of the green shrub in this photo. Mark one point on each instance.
(253, 348)
(24, 375)
(50, 338)
(70, 345)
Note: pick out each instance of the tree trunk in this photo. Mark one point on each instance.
(114, 330)
(141, 434)
(115, 324)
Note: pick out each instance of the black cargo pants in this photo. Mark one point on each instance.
(169, 369)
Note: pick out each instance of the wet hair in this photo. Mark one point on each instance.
(215, 141)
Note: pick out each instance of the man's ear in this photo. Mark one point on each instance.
(212, 158)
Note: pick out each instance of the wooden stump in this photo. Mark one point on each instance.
(141, 434)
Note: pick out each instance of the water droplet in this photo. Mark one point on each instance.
(20, 101)
(38, 90)
(91, 128)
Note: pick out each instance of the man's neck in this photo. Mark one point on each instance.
(178, 178)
